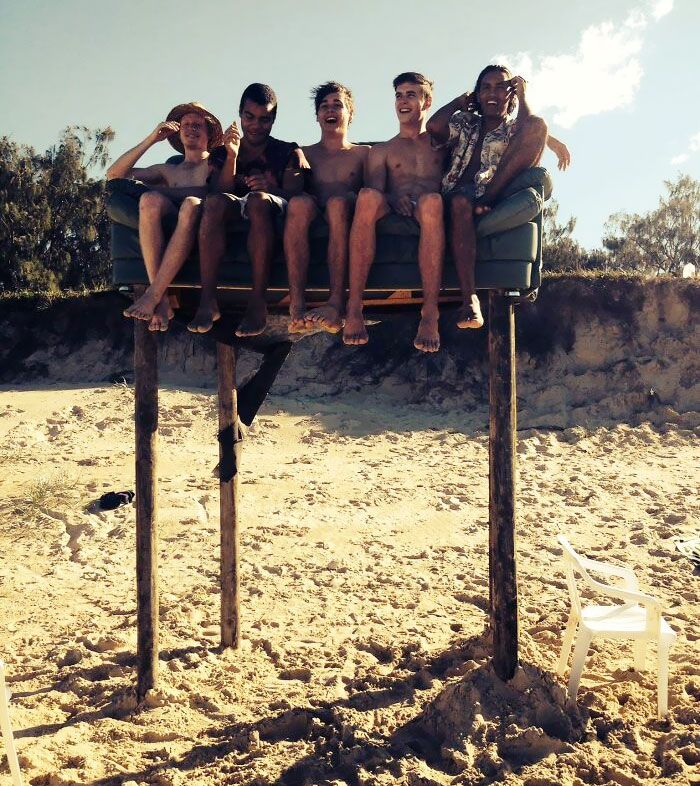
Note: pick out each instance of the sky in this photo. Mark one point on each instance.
(616, 80)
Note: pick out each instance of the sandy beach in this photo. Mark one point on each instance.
(364, 596)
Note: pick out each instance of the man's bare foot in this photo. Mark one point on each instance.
(428, 336)
(204, 318)
(327, 317)
(254, 319)
(160, 321)
(143, 308)
(297, 319)
(469, 315)
(355, 332)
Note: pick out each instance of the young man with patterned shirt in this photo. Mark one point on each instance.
(489, 148)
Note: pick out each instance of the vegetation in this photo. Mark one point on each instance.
(661, 241)
(54, 230)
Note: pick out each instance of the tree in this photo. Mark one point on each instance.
(664, 239)
(54, 232)
(560, 251)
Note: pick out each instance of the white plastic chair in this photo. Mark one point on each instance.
(638, 618)
(6, 728)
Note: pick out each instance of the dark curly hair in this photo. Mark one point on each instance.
(259, 94)
(320, 92)
(489, 69)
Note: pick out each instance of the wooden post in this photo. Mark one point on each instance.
(502, 427)
(228, 490)
(146, 421)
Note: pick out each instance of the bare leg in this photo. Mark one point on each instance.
(338, 215)
(463, 240)
(261, 240)
(154, 300)
(431, 251)
(371, 206)
(152, 207)
(301, 212)
(216, 211)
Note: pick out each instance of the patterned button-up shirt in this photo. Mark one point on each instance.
(464, 133)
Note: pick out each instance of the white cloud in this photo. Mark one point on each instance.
(603, 74)
(661, 8)
(693, 147)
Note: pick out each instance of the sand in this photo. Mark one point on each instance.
(365, 658)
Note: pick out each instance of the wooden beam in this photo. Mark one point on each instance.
(503, 587)
(146, 422)
(229, 452)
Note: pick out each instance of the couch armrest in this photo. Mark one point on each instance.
(123, 201)
(513, 211)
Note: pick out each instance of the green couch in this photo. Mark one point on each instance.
(509, 250)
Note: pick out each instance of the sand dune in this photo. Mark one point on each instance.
(364, 590)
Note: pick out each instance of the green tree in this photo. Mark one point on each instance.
(560, 252)
(54, 232)
(664, 239)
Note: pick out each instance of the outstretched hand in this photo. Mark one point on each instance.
(164, 130)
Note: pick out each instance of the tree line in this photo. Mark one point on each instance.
(54, 230)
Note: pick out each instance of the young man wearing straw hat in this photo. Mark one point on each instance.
(173, 189)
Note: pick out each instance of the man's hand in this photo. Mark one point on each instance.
(561, 151)
(261, 181)
(517, 86)
(163, 131)
(404, 205)
(467, 101)
(232, 140)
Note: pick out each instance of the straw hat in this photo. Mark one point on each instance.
(179, 111)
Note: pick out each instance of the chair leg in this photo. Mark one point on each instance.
(580, 651)
(567, 642)
(640, 654)
(662, 680)
(7, 736)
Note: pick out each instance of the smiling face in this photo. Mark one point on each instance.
(257, 121)
(194, 132)
(333, 112)
(411, 103)
(494, 94)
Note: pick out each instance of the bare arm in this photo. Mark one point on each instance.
(561, 151)
(439, 124)
(224, 181)
(293, 176)
(124, 165)
(375, 168)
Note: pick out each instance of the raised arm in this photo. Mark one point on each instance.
(439, 124)
(224, 180)
(124, 165)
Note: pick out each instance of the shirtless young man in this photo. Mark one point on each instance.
(176, 189)
(258, 175)
(403, 176)
(336, 175)
(488, 150)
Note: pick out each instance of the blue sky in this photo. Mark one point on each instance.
(616, 80)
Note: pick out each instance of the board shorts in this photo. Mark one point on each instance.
(277, 202)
